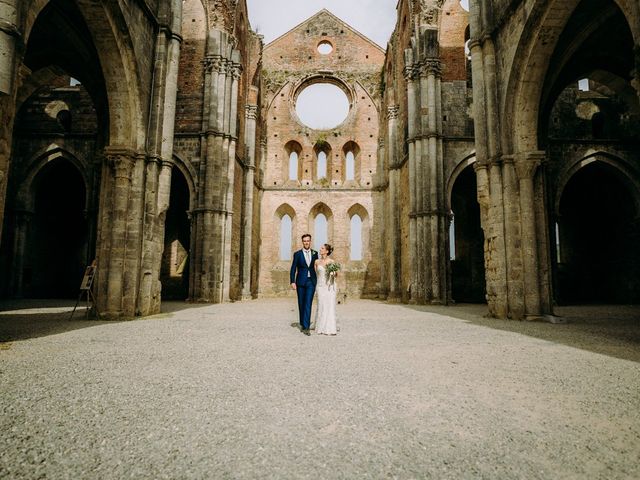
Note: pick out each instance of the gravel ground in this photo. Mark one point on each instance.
(233, 391)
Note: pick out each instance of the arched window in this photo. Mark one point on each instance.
(350, 173)
(322, 165)
(293, 166)
(285, 237)
(356, 238)
(320, 231)
(350, 152)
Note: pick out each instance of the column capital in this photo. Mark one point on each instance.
(392, 112)
(251, 111)
(213, 63)
(235, 69)
(431, 66)
(121, 160)
(411, 72)
(527, 163)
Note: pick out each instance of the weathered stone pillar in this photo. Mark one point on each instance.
(22, 219)
(381, 188)
(9, 78)
(118, 171)
(159, 162)
(395, 295)
(509, 233)
(436, 182)
(8, 35)
(251, 112)
(526, 168)
(413, 103)
(211, 270)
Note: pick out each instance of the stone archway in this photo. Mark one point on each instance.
(596, 255)
(466, 239)
(56, 247)
(176, 258)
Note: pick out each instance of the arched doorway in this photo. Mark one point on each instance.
(57, 243)
(597, 258)
(466, 241)
(174, 273)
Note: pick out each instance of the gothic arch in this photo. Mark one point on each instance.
(317, 209)
(284, 209)
(526, 84)
(354, 148)
(458, 169)
(626, 170)
(25, 195)
(117, 58)
(292, 146)
(189, 173)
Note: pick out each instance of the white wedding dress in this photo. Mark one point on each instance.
(326, 313)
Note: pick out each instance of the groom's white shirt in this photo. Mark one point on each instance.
(307, 258)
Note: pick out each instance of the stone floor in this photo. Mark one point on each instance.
(233, 391)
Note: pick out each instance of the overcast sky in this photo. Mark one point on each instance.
(373, 18)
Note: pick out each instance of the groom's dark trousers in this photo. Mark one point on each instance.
(304, 277)
(305, 300)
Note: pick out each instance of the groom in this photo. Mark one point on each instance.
(303, 280)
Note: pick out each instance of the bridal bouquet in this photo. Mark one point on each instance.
(332, 269)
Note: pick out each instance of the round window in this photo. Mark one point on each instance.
(325, 47)
(322, 106)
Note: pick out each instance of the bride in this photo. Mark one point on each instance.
(326, 288)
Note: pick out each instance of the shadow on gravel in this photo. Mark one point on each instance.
(178, 306)
(612, 330)
(24, 319)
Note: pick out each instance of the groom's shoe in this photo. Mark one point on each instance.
(306, 332)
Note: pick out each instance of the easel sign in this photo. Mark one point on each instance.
(85, 289)
(87, 280)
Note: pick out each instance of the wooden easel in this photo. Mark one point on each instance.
(85, 289)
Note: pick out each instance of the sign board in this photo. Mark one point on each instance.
(87, 280)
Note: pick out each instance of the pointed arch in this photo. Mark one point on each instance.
(359, 232)
(25, 194)
(293, 165)
(467, 161)
(321, 223)
(626, 171)
(284, 220)
(352, 164)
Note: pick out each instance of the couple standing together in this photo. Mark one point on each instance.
(308, 274)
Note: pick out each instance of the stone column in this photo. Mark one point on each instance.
(121, 167)
(251, 112)
(526, 169)
(436, 182)
(395, 295)
(9, 78)
(412, 105)
(508, 235)
(8, 35)
(381, 188)
(211, 268)
(23, 219)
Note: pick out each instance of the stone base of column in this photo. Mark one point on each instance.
(394, 298)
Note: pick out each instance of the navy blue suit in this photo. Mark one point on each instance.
(304, 276)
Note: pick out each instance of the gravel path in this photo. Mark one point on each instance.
(233, 391)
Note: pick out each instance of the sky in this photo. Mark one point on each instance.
(373, 18)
